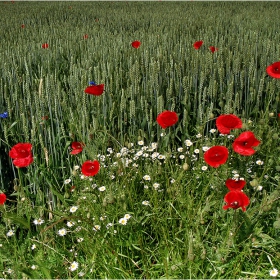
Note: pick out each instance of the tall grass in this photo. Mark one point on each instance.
(183, 231)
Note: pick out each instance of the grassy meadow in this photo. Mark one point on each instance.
(155, 208)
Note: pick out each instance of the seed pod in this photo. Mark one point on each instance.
(185, 166)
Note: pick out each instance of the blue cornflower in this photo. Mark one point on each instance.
(4, 115)
(92, 83)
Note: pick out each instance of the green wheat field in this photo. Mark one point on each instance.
(155, 208)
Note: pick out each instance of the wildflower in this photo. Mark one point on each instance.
(33, 247)
(156, 186)
(205, 149)
(273, 70)
(213, 130)
(136, 44)
(33, 267)
(172, 181)
(10, 233)
(80, 239)
(96, 227)
(147, 178)
(77, 147)
(162, 134)
(235, 185)
(38, 222)
(62, 232)
(127, 216)
(196, 151)
(197, 44)
(9, 271)
(259, 162)
(4, 115)
(225, 123)
(123, 221)
(67, 181)
(85, 36)
(216, 156)
(154, 145)
(181, 156)
(81, 274)
(167, 118)
(244, 142)
(74, 266)
(95, 89)
(70, 224)
(109, 225)
(145, 202)
(213, 49)
(3, 198)
(73, 209)
(273, 272)
(259, 188)
(21, 154)
(102, 189)
(180, 149)
(22, 26)
(198, 135)
(45, 46)
(188, 143)
(236, 199)
(90, 168)
(141, 143)
(203, 168)
(161, 157)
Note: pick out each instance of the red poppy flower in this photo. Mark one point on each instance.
(95, 89)
(273, 70)
(225, 123)
(22, 26)
(236, 199)
(197, 44)
(244, 142)
(136, 44)
(85, 36)
(235, 185)
(90, 168)
(216, 156)
(2, 198)
(213, 49)
(279, 115)
(21, 154)
(45, 46)
(167, 118)
(77, 148)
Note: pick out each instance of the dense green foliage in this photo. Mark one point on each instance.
(182, 232)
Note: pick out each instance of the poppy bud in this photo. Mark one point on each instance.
(254, 183)
(212, 116)
(271, 114)
(185, 166)
(275, 136)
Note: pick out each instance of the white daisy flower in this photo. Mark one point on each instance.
(38, 221)
(213, 130)
(62, 232)
(273, 272)
(123, 221)
(146, 202)
(33, 247)
(259, 162)
(74, 266)
(73, 209)
(33, 267)
(10, 233)
(196, 151)
(140, 143)
(96, 227)
(67, 181)
(146, 178)
(180, 149)
(127, 216)
(204, 168)
(102, 189)
(188, 143)
(70, 224)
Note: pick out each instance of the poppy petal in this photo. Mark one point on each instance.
(273, 70)
(90, 168)
(2, 198)
(197, 44)
(136, 44)
(235, 185)
(225, 123)
(95, 89)
(167, 118)
(216, 156)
